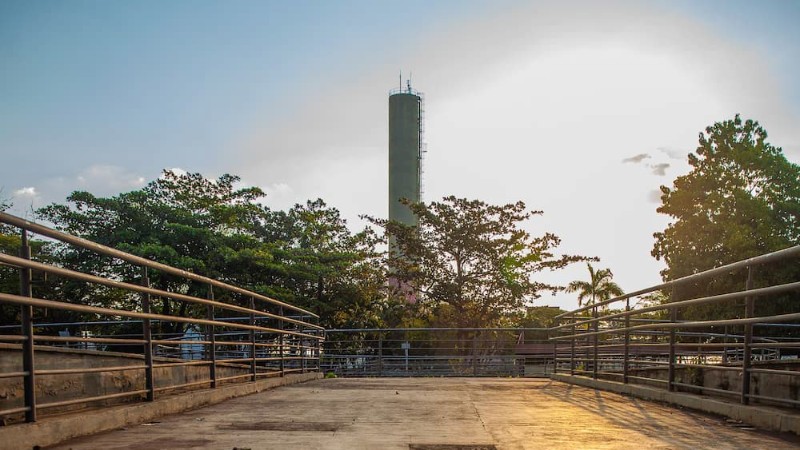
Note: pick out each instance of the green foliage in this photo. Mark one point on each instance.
(323, 266)
(306, 256)
(599, 287)
(740, 199)
(471, 262)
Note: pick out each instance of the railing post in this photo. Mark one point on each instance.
(212, 338)
(626, 352)
(555, 352)
(673, 317)
(475, 355)
(302, 350)
(29, 382)
(748, 339)
(147, 334)
(380, 353)
(253, 367)
(572, 349)
(595, 341)
(280, 341)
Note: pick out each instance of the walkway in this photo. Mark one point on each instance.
(436, 413)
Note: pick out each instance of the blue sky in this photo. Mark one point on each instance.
(533, 101)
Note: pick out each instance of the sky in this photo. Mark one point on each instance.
(580, 109)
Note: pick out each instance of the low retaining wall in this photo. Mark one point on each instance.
(764, 417)
(52, 430)
(64, 387)
(766, 384)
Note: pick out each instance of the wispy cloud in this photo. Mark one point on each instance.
(673, 153)
(105, 179)
(637, 158)
(660, 169)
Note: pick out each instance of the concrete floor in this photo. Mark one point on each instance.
(434, 413)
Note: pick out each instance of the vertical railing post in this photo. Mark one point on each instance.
(253, 367)
(29, 382)
(595, 340)
(572, 347)
(748, 340)
(475, 355)
(380, 353)
(673, 317)
(626, 351)
(147, 335)
(555, 351)
(280, 341)
(212, 338)
(302, 347)
(725, 348)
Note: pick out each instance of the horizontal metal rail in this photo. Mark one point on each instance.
(138, 260)
(265, 337)
(652, 344)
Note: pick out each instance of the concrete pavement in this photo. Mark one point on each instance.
(436, 413)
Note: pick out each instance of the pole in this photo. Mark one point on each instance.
(253, 367)
(673, 317)
(212, 338)
(748, 340)
(627, 341)
(29, 382)
(147, 334)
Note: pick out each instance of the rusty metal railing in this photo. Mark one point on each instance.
(732, 354)
(243, 338)
(439, 352)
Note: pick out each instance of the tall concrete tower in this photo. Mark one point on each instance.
(405, 152)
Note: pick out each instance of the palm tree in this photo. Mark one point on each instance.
(599, 288)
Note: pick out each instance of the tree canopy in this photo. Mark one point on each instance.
(306, 256)
(740, 199)
(473, 263)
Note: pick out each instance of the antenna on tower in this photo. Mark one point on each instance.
(408, 82)
(401, 80)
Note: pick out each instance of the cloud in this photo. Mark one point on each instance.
(26, 192)
(660, 169)
(636, 158)
(24, 200)
(104, 179)
(277, 189)
(673, 153)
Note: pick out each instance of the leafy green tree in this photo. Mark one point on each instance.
(471, 262)
(305, 256)
(598, 288)
(740, 199)
(327, 268)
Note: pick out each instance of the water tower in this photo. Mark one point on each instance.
(406, 149)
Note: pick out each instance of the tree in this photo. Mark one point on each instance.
(327, 268)
(471, 262)
(599, 287)
(305, 256)
(740, 199)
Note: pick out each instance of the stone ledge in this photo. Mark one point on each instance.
(763, 417)
(52, 430)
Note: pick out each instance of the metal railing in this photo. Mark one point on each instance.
(427, 352)
(653, 344)
(232, 329)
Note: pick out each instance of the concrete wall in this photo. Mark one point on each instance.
(55, 429)
(56, 388)
(766, 384)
